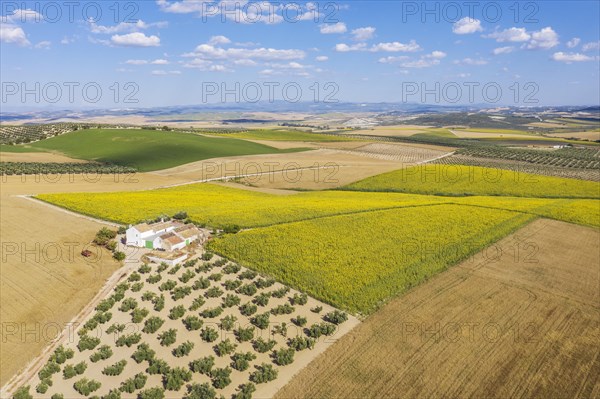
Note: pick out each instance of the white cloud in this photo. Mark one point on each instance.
(503, 50)
(219, 40)
(344, 48)
(45, 45)
(244, 11)
(390, 47)
(437, 55)
(160, 61)
(245, 62)
(10, 33)
(466, 26)
(322, 58)
(421, 63)
(571, 57)
(510, 35)
(574, 42)
(135, 39)
(591, 46)
(69, 40)
(23, 15)
(363, 34)
(396, 47)
(219, 68)
(136, 62)
(339, 27)
(164, 73)
(425, 61)
(391, 59)
(125, 27)
(207, 51)
(545, 38)
(470, 61)
(183, 7)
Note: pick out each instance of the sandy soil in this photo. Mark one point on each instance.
(36, 157)
(323, 168)
(519, 319)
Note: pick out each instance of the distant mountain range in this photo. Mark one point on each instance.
(170, 113)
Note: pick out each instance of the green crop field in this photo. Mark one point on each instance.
(357, 261)
(461, 180)
(18, 148)
(287, 135)
(496, 131)
(147, 150)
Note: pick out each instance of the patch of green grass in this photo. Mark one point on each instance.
(436, 133)
(20, 148)
(148, 150)
(496, 131)
(287, 135)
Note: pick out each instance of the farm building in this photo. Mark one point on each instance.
(169, 236)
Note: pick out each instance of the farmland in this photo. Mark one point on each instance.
(147, 150)
(286, 135)
(219, 206)
(207, 326)
(472, 180)
(501, 324)
(520, 167)
(30, 168)
(356, 262)
(585, 158)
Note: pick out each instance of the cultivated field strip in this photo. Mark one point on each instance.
(501, 324)
(210, 326)
(468, 180)
(521, 166)
(579, 158)
(397, 152)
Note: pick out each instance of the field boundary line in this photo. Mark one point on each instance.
(69, 212)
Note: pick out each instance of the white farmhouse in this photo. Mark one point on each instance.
(169, 236)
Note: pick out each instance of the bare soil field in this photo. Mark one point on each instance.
(520, 319)
(44, 279)
(37, 157)
(319, 169)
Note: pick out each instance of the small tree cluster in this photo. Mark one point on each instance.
(85, 387)
(115, 369)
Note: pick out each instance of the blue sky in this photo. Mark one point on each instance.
(188, 52)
